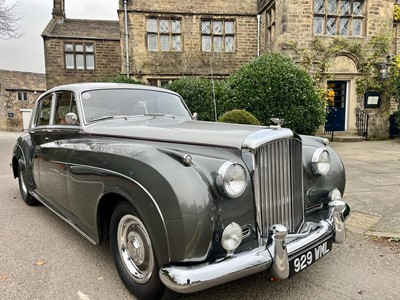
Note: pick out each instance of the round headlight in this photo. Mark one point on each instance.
(231, 237)
(231, 179)
(321, 162)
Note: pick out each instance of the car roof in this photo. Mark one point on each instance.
(81, 87)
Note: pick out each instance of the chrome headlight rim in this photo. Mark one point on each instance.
(224, 176)
(321, 161)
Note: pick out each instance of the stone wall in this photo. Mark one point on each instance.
(191, 60)
(107, 62)
(12, 82)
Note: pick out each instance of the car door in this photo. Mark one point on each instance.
(54, 153)
(39, 136)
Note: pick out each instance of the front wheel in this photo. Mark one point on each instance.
(23, 189)
(133, 254)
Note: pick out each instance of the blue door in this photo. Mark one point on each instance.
(335, 120)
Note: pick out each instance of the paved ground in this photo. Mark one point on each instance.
(42, 257)
(373, 185)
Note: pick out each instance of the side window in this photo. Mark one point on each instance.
(44, 111)
(65, 103)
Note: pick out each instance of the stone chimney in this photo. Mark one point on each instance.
(58, 9)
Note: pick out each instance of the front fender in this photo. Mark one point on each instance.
(317, 188)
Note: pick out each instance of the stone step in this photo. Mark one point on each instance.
(344, 138)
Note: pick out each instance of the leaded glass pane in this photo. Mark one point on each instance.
(229, 44)
(89, 48)
(164, 42)
(176, 26)
(217, 43)
(176, 42)
(151, 25)
(357, 8)
(69, 47)
(318, 25)
(332, 6)
(206, 27)
(79, 47)
(229, 27)
(331, 26)
(344, 26)
(69, 61)
(217, 27)
(206, 43)
(164, 26)
(152, 41)
(319, 6)
(344, 7)
(357, 27)
(90, 61)
(79, 61)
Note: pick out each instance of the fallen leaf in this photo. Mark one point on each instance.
(40, 263)
(4, 277)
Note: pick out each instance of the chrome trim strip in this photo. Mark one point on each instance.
(275, 257)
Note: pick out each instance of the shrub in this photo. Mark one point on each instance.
(199, 96)
(272, 86)
(239, 116)
(120, 79)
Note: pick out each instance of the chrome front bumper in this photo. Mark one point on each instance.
(273, 257)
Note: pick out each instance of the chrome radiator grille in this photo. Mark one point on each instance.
(278, 184)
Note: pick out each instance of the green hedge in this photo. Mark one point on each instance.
(120, 79)
(272, 86)
(199, 96)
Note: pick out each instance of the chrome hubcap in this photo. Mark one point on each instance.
(135, 248)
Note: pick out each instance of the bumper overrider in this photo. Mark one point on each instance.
(274, 257)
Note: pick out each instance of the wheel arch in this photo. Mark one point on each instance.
(148, 211)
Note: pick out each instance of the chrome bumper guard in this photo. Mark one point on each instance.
(273, 257)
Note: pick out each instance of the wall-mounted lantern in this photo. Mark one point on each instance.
(383, 69)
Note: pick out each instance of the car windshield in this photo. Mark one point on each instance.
(110, 103)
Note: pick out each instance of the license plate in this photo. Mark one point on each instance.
(307, 258)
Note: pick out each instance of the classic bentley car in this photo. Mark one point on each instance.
(185, 204)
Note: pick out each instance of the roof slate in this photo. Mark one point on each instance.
(89, 29)
(23, 81)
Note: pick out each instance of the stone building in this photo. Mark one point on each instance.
(158, 41)
(18, 93)
(166, 40)
(80, 50)
(312, 30)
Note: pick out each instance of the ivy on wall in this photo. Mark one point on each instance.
(369, 54)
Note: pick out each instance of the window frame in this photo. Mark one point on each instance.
(222, 34)
(270, 24)
(159, 34)
(338, 17)
(85, 53)
(24, 95)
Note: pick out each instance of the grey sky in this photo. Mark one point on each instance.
(26, 53)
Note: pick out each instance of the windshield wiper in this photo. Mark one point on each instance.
(106, 118)
(160, 115)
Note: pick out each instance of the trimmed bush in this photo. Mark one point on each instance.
(198, 95)
(239, 116)
(272, 86)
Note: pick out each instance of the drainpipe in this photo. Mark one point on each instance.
(258, 34)
(127, 64)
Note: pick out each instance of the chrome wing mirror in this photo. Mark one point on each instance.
(71, 118)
